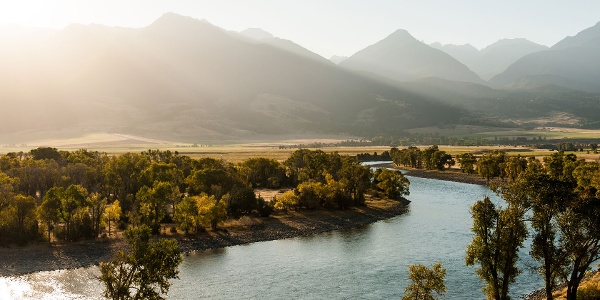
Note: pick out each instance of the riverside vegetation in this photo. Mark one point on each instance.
(70, 196)
(558, 196)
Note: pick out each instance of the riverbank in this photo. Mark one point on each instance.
(281, 225)
(448, 175)
(452, 174)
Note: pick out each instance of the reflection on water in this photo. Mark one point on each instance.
(369, 262)
(63, 284)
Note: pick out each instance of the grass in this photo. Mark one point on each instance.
(119, 143)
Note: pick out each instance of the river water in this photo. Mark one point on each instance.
(370, 262)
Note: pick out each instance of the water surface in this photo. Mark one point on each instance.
(364, 263)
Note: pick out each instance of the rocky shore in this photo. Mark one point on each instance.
(448, 175)
(44, 257)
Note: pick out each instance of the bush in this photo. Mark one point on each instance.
(263, 208)
(589, 292)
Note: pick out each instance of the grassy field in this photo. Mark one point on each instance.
(279, 150)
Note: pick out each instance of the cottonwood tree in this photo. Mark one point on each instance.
(545, 198)
(425, 281)
(211, 211)
(392, 183)
(187, 214)
(112, 213)
(499, 233)
(144, 269)
(467, 162)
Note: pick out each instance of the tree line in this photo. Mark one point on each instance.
(73, 195)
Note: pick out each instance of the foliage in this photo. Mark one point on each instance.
(467, 162)
(498, 235)
(112, 213)
(425, 281)
(491, 164)
(392, 183)
(142, 271)
(211, 211)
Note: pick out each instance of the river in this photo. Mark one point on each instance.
(370, 262)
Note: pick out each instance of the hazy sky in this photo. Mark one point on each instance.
(330, 27)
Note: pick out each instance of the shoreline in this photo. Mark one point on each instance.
(17, 261)
(454, 175)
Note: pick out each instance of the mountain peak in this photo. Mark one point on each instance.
(401, 34)
(176, 21)
(257, 34)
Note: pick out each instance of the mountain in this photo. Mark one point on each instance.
(260, 36)
(185, 79)
(336, 59)
(573, 62)
(466, 54)
(402, 57)
(589, 37)
(493, 59)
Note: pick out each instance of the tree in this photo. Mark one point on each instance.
(73, 198)
(143, 270)
(499, 233)
(211, 211)
(467, 162)
(24, 213)
(425, 281)
(97, 205)
(546, 197)
(580, 241)
(153, 202)
(187, 214)
(112, 213)
(392, 182)
(48, 212)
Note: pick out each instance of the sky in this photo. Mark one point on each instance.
(332, 27)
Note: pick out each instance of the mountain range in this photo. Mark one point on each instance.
(185, 79)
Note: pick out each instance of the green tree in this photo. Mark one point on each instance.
(579, 241)
(392, 183)
(153, 202)
(499, 233)
(24, 208)
(546, 197)
(72, 198)
(425, 281)
(142, 271)
(48, 212)
(97, 206)
(187, 214)
(467, 162)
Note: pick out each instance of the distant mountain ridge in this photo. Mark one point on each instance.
(574, 63)
(183, 79)
(402, 57)
(493, 59)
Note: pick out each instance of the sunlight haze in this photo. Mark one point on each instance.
(333, 27)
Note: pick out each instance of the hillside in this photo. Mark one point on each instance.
(185, 79)
(572, 63)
